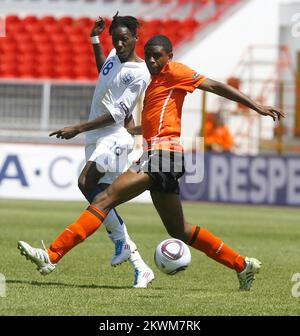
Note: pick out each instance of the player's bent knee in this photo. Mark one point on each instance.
(81, 183)
(85, 186)
(104, 201)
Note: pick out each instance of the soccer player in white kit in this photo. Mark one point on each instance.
(122, 80)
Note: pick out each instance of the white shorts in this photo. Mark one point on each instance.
(111, 155)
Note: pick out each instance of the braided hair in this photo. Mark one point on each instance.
(129, 22)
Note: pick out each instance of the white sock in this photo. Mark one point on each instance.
(115, 226)
(136, 261)
(116, 230)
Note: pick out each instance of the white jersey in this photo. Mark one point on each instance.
(117, 91)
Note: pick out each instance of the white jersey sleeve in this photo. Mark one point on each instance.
(111, 53)
(122, 108)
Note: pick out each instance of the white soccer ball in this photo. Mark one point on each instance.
(172, 256)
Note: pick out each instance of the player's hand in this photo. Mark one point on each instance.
(66, 133)
(270, 111)
(98, 28)
(136, 130)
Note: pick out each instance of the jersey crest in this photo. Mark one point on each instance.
(127, 78)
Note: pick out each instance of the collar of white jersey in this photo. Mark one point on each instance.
(128, 64)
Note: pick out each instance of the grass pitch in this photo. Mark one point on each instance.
(86, 284)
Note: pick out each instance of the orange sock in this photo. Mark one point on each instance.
(213, 247)
(89, 221)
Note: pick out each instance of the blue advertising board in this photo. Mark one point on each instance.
(262, 179)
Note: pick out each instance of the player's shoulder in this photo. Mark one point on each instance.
(176, 71)
(177, 68)
(112, 53)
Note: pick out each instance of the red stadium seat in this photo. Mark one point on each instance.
(29, 20)
(7, 48)
(82, 72)
(54, 29)
(44, 72)
(14, 29)
(63, 71)
(8, 70)
(41, 38)
(26, 47)
(94, 73)
(7, 57)
(65, 21)
(50, 47)
(26, 70)
(12, 20)
(75, 30)
(80, 60)
(36, 28)
(24, 37)
(79, 49)
(48, 20)
(62, 49)
(78, 39)
(58, 38)
(27, 59)
(44, 50)
(86, 22)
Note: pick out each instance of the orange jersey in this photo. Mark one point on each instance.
(161, 116)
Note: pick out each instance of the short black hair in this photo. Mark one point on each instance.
(160, 40)
(129, 22)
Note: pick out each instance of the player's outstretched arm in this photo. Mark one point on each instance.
(231, 93)
(97, 29)
(71, 131)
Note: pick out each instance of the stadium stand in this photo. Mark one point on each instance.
(59, 48)
(47, 67)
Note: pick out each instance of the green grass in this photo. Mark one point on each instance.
(86, 284)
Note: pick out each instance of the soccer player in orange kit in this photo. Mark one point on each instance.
(161, 123)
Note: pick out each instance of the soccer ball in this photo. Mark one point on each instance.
(172, 256)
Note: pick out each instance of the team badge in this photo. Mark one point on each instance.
(127, 78)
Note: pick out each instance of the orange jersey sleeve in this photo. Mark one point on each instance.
(185, 78)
